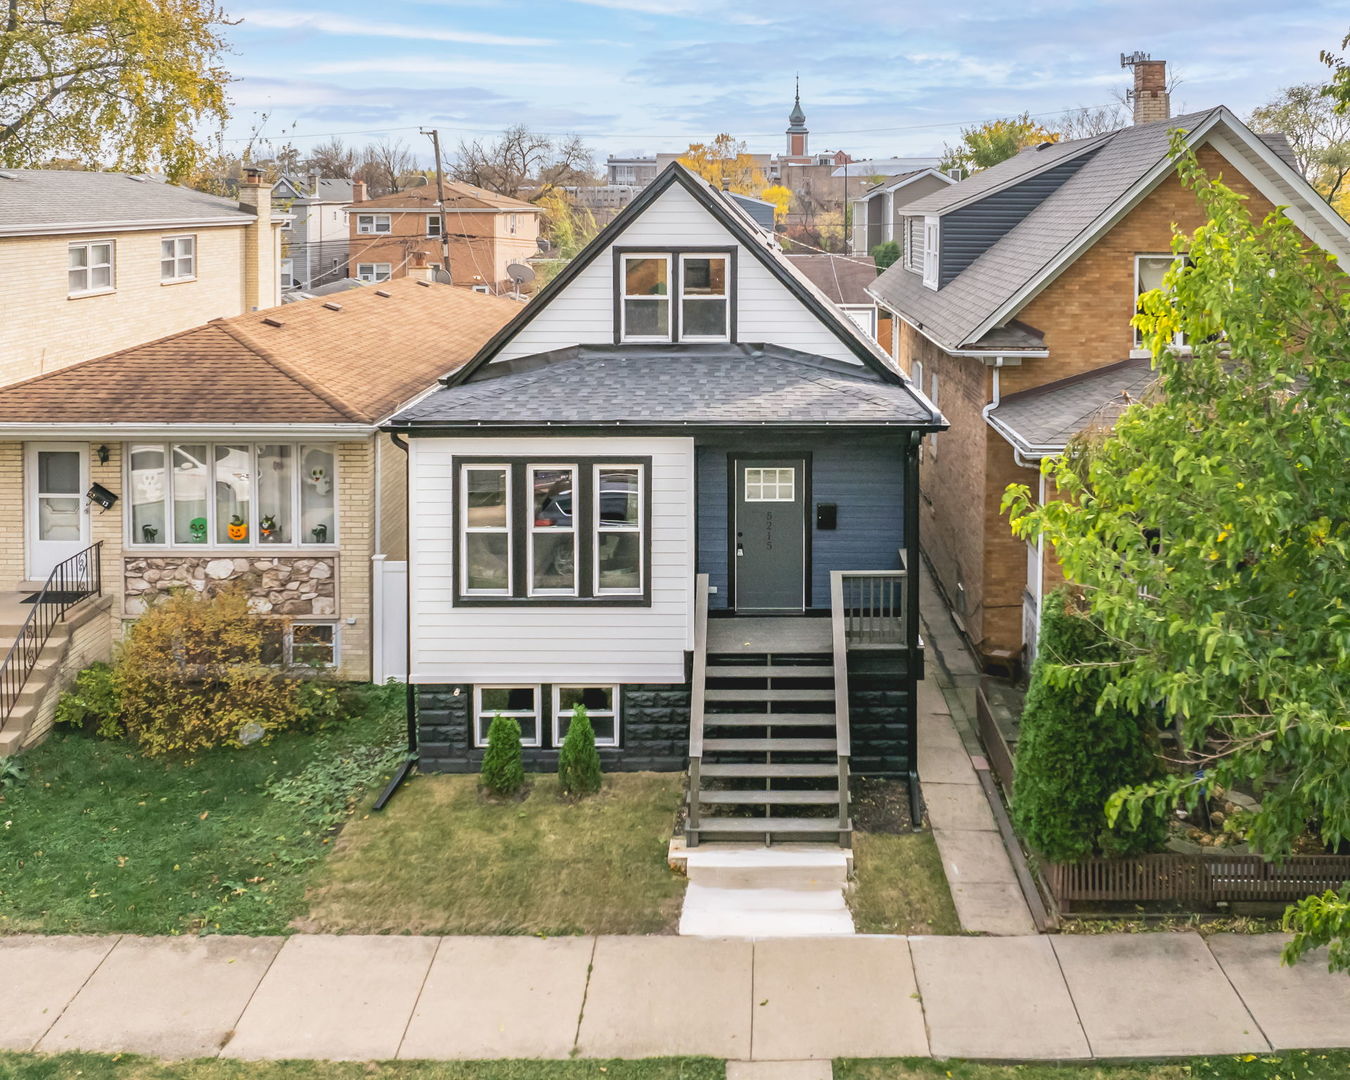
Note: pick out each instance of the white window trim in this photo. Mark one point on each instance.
(532, 530)
(624, 297)
(375, 220)
(778, 472)
(480, 734)
(724, 299)
(1137, 350)
(213, 545)
(289, 644)
(102, 290)
(932, 249)
(465, 530)
(557, 711)
(178, 279)
(435, 225)
(601, 531)
(373, 277)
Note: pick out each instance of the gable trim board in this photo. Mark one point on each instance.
(735, 222)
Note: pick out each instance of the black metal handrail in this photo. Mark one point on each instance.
(72, 580)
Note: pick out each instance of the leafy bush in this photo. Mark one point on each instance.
(190, 675)
(1071, 755)
(579, 761)
(885, 254)
(93, 701)
(503, 771)
(325, 790)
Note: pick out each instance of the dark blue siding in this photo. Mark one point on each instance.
(711, 485)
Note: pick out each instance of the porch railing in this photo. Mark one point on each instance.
(72, 580)
(874, 606)
(696, 694)
(842, 727)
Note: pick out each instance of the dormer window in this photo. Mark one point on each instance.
(674, 296)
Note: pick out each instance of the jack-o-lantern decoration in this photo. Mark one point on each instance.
(237, 529)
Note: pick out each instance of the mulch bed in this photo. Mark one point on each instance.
(880, 805)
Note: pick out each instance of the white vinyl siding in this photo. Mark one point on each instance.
(765, 311)
(536, 642)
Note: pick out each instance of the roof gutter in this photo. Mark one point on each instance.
(139, 431)
(1006, 355)
(53, 229)
(1024, 452)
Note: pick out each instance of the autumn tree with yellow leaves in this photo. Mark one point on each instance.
(725, 162)
(988, 144)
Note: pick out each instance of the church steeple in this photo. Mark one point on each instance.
(796, 131)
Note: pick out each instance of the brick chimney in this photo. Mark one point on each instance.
(262, 244)
(358, 191)
(1149, 95)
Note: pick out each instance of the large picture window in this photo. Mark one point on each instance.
(674, 296)
(551, 532)
(230, 495)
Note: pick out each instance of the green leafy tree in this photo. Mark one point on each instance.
(503, 771)
(1318, 134)
(579, 761)
(885, 255)
(130, 81)
(988, 144)
(1339, 87)
(1210, 530)
(1072, 756)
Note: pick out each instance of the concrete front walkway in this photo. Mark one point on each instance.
(767, 1000)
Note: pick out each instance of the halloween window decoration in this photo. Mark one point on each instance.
(317, 495)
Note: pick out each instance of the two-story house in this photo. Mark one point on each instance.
(92, 262)
(879, 212)
(679, 425)
(479, 233)
(315, 243)
(1014, 302)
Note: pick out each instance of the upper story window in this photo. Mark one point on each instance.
(90, 268)
(550, 532)
(512, 223)
(177, 259)
(1148, 275)
(231, 494)
(374, 271)
(669, 296)
(932, 232)
(367, 224)
(434, 225)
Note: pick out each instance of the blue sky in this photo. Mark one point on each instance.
(646, 75)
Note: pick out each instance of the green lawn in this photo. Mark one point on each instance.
(1310, 1065)
(123, 1067)
(443, 859)
(901, 887)
(98, 839)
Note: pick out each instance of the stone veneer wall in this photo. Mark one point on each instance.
(654, 731)
(276, 586)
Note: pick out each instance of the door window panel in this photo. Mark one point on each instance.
(58, 482)
(770, 485)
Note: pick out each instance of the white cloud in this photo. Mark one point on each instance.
(682, 9)
(338, 24)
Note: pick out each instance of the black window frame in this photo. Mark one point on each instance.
(520, 514)
(676, 294)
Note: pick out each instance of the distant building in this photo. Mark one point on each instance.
(625, 171)
(314, 244)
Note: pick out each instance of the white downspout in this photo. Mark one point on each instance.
(998, 365)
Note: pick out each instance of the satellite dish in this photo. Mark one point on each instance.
(443, 276)
(520, 273)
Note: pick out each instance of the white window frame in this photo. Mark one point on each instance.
(213, 544)
(370, 272)
(480, 732)
(600, 530)
(532, 530)
(90, 266)
(1179, 339)
(511, 223)
(724, 299)
(435, 225)
(624, 297)
(178, 258)
(465, 529)
(288, 644)
(370, 224)
(762, 484)
(932, 248)
(615, 692)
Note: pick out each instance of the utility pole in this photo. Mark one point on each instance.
(440, 201)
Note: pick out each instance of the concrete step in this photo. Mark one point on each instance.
(774, 745)
(737, 719)
(720, 912)
(776, 798)
(719, 693)
(758, 770)
(770, 671)
(760, 826)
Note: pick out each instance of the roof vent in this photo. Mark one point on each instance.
(138, 179)
(8, 176)
(1042, 146)
(332, 306)
(425, 284)
(273, 322)
(381, 292)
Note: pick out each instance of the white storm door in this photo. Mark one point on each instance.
(56, 478)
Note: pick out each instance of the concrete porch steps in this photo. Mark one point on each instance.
(743, 891)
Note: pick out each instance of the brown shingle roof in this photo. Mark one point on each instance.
(354, 365)
(458, 196)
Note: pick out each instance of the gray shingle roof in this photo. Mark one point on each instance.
(1044, 419)
(1117, 162)
(656, 386)
(843, 278)
(34, 200)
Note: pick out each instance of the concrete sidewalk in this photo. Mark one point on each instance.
(370, 998)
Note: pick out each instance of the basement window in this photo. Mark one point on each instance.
(521, 703)
(602, 709)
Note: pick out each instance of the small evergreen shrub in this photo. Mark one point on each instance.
(885, 254)
(503, 771)
(92, 702)
(1070, 757)
(579, 760)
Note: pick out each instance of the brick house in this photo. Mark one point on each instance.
(92, 262)
(1013, 306)
(480, 232)
(242, 449)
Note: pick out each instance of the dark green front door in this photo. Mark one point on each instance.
(769, 527)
